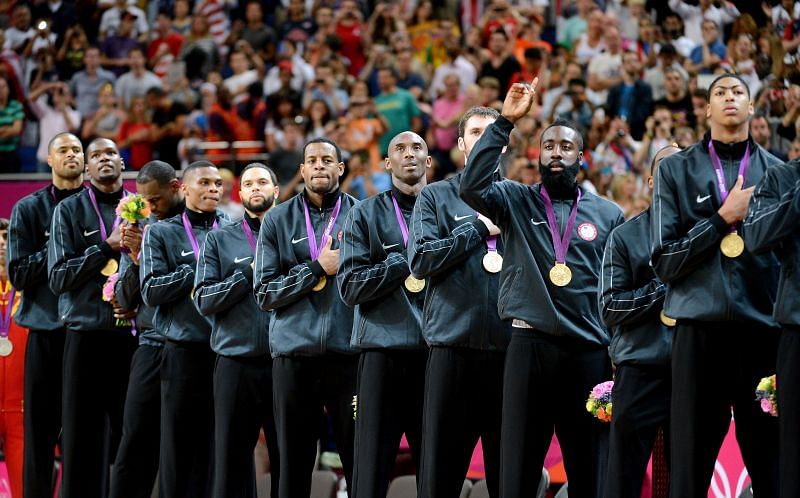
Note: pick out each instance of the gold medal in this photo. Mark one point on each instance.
(668, 321)
(560, 274)
(492, 262)
(732, 245)
(414, 284)
(191, 294)
(5, 346)
(321, 284)
(110, 268)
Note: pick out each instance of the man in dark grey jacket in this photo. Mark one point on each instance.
(28, 233)
(554, 234)
(631, 301)
(239, 337)
(83, 252)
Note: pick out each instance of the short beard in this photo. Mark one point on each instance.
(561, 185)
(259, 208)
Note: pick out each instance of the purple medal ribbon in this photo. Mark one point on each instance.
(721, 183)
(312, 238)
(117, 220)
(401, 221)
(560, 245)
(53, 193)
(248, 232)
(5, 318)
(187, 227)
(491, 241)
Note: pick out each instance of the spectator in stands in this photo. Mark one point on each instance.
(69, 58)
(217, 25)
(534, 66)
(500, 63)
(168, 121)
(165, 47)
(398, 106)
(455, 63)
(325, 87)
(12, 117)
(85, 85)
(52, 105)
(106, 121)
(443, 133)
(591, 43)
(656, 76)
(794, 150)
(117, 47)
(676, 98)
(658, 135)
(605, 70)
(631, 100)
(227, 204)
(617, 148)
(349, 27)
(530, 36)
(362, 127)
(286, 158)
(710, 52)
(261, 37)
(319, 119)
(694, 16)
(576, 25)
(761, 132)
(43, 39)
(200, 51)
(137, 81)
(247, 67)
(674, 34)
(699, 108)
(181, 17)
(298, 25)
(571, 72)
(384, 21)
(741, 60)
(61, 16)
(111, 21)
(623, 193)
(134, 139)
(579, 109)
(407, 79)
(21, 31)
(360, 174)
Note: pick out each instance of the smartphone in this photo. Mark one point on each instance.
(176, 72)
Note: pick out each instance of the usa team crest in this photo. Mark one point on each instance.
(587, 231)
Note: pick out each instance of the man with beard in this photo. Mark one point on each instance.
(631, 301)
(81, 254)
(239, 337)
(554, 235)
(374, 278)
(28, 234)
(313, 364)
(467, 339)
(721, 295)
(169, 254)
(135, 468)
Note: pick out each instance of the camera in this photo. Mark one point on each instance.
(42, 25)
(620, 133)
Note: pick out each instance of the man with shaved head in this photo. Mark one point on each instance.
(720, 293)
(375, 278)
(170, 251)
(28, 234)
(83, 251)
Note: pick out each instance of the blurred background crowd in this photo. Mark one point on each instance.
(233, 81)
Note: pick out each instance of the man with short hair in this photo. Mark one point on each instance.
(116, 48)
(605, 70)
(375, 279)
(240, 339)
(137, 81)
(458, 250)
(85, 85)
(136, 465)
(398, 106)
(501, 64)
(170, 250)
(82, 253)
(632, 99)
(28, 234)
(313, 364)
(761, 132)
(676, 98)
(721, 295)
(707, 56)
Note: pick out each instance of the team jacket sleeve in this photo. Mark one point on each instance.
(212, 293)
(774, 209)
(359, 279)
(428, 254)
(27, 264)
(274, 289)
(676, 253)
(619, 302)
(159, 285)
(127, 290)
(478, 186)
(65, 269)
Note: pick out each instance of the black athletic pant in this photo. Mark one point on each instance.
(463, 402)
(641, 407)
(716, 366)
(187, 420)
(135, 468)
(789, 411)
(44, 359)
(301, 387)
(242, 406)
(96, 369)
(391, 386)
(546, 382)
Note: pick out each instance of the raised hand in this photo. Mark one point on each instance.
(519, 100)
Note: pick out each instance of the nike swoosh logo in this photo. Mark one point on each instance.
(239, 260)
(538, 222)
(295, 241)
(87, 234)
(702, 199)
(385, 247)
(459, 218)
(186, 253)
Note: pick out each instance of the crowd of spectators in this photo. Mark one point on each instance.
(162, 77)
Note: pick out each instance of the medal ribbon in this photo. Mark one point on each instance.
(187, 227)
(491, 241)
(721, 183)
(401, 221)
(117, 220)
(5, 318)
(312, 238)
(248, 232)
(560, 245)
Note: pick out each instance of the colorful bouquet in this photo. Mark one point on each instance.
(133, 208)
(108, 296)
(767, 395)
(599, 402)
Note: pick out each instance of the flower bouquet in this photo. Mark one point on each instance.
(133, 208)
(599, 402)
(108, 296)
(767, 395)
